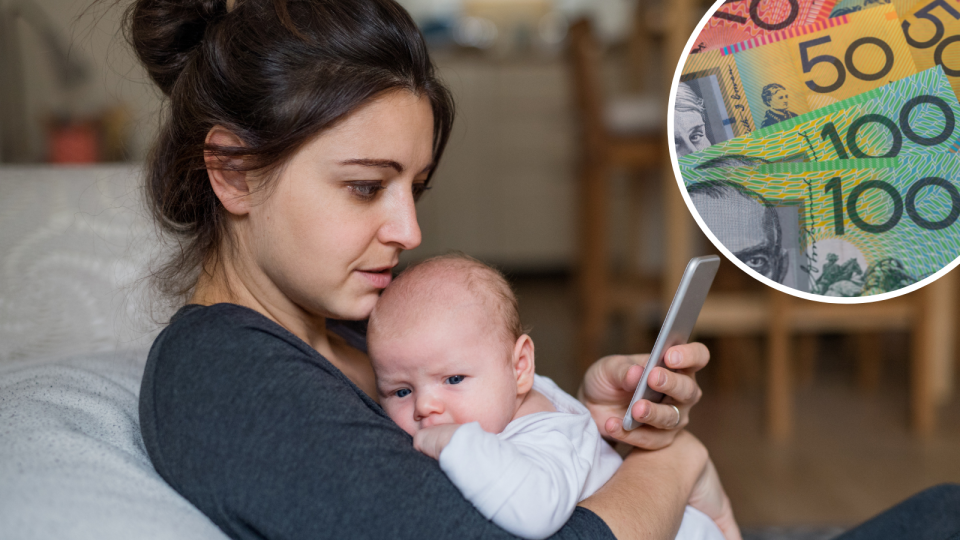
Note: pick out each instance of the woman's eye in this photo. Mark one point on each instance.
(403, 392)
(456, 379)
(419, 189)
(366, 190)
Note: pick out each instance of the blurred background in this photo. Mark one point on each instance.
(817, 416)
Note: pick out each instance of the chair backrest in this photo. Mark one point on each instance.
(585, 61)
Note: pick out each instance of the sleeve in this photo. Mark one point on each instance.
(270, 441)
(528, 483)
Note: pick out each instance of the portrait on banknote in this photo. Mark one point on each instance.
(777, 100)
(700, 117)
(745, 222)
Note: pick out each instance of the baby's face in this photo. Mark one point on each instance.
(449, 366)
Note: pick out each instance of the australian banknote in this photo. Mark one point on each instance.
(835, 228)
(912, 118)
(846, 7)
(740, 20)
(932, 30)
(774, 78)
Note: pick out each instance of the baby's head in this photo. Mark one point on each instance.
(447, 346)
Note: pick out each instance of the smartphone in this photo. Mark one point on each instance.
(676, 329)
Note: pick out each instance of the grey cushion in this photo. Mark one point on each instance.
(72, 462)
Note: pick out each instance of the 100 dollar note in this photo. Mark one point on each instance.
(910, 118)
(768, 80)
(835, 228)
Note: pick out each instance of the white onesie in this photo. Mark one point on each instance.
(529, 478)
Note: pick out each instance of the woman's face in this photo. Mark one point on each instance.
(780, 100)
(689, 132)
(327, 234)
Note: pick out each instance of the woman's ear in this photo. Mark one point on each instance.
(523, 363)
(232, 187)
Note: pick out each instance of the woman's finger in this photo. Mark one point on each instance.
(646, 437)
(625, 370)
(658, 415)
(690, 357)
(682, 388)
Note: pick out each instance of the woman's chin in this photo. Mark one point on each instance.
(360, 308)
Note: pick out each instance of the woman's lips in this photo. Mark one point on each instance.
(378, 278)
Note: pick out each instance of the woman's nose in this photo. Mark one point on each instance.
(401, 227)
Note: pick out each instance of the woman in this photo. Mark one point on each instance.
(300, 134)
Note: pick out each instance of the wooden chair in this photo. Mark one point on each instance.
(928, 314)
(627, 135)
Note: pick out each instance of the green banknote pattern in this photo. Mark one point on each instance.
(910, 119)
(866, 226)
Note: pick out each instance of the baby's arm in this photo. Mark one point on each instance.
(528, 485)
(708, 497)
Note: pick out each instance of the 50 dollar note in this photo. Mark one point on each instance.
(767, 80)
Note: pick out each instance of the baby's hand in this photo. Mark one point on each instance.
(432, 440)
(708, 497)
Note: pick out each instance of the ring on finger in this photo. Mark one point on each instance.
(677, 423)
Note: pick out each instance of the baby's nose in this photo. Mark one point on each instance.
(427, 406)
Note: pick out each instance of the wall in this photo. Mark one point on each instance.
(93, 31)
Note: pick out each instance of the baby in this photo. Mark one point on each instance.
(455, 370)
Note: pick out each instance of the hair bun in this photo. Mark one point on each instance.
(164, 33)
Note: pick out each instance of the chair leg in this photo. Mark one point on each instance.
(779, 391)
(932, 353)
(594, 265)
(922, 398)
(678, 225)
(869, 361)
(806, 362)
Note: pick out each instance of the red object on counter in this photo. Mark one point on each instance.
(74, 143)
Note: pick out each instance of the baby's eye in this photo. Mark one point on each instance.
(403, 392)
(456, 379)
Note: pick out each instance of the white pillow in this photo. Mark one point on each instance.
(72, 461)
(75, 245)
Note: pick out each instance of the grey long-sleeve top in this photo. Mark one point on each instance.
(269, 440)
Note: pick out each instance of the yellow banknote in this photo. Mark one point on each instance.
(800, 71)
(755, 84)
(932, 30)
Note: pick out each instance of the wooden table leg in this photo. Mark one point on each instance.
(779, 390)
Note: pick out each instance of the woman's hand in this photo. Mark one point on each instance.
(610, 382)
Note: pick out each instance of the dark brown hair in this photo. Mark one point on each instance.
(275, 73)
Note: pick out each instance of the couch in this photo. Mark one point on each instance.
(76, 322)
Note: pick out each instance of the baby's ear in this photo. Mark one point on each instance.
(523, 363)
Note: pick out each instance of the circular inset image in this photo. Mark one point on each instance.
(816, 144)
